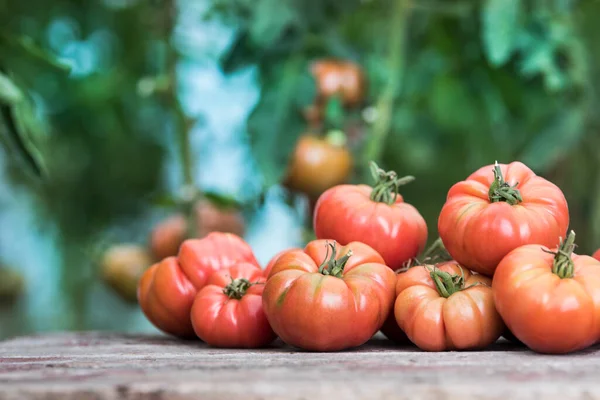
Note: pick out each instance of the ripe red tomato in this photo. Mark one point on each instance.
(317, 164)
(551, 302)
(497, 209)
(228, 311)
(274, 259)
(446, 308)
(328, 297)
(166, 291)
(596, 255)
(376, 216)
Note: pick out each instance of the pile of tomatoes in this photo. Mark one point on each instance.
(512, 272)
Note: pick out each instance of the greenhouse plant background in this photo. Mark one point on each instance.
(111, 111)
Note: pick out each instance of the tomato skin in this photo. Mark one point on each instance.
(478, 233)
(317, 312)
(596, 255)
(274, 259)
(317, 165)
(346, 213)
(465, 320)
(166, 291)
(390, 328)
(221, 321)
(547, 313)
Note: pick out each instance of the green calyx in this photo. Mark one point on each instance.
(332, 266)
(502, 191)
(387, 184)
(446, 284)
(237, 288)
(563, 265)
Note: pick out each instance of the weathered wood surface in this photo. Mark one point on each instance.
(111, 366)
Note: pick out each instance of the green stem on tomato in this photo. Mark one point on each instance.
(332, 266)
(446, 284)
(563, 265)
(500, 190)
(387, 184)
(237, 288)
(396, 67)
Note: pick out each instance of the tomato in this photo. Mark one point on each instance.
(166, 291)
(497, 209)
(317, 165)
(596, 255)
(122, 266)
(167, 236)
(446, 308)
(228, 311)
(376, 216)
(274, 259)
(339, 78)
(328, 297)
(550, 300)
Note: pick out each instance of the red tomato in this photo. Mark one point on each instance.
(551, 302)
(228, 311)
(376, 216)
(446, 308)
(274, 260)
(497, 209)
(596, 255)
(166, 290)
(327, 297)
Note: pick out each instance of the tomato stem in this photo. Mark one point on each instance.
(563, 265)
(237, 288)
(387, 184)
(500, 190)
(447, 284)
(332, 266)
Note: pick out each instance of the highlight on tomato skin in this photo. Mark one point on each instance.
(558, 312)
(167, 290)
(228, 311)
(328, 297)
(497, 209)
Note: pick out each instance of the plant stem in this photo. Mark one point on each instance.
(396, 68)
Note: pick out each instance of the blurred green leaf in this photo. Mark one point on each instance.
(500, 24)
(9, 92)
(276, 121)
(221, 200)
(28, 47)
(271, 19)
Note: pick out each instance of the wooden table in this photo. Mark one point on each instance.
(113, 366)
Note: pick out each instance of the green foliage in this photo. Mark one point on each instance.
(500, 25)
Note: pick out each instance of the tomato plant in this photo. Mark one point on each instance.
(318, 164)
(550, 299)
(497, 209)
(328, 297)
(339, 78)
(122, 266)
(167, 236)
(446, 307)
(166, 291)
(377, 216)
(228, 311)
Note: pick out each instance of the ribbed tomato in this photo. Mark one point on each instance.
(274, 259)
(497, 209)
(446, 308)
(228, 311)
(377, 216)
(328, 297)
(550, 299)
(166, 290)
